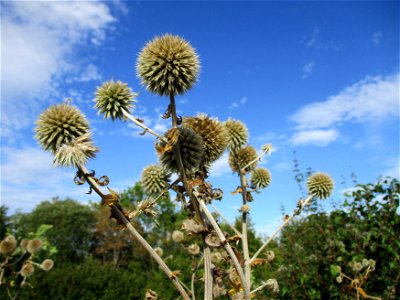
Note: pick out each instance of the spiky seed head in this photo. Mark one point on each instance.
(191, 147)
(47, 264)
(34, 245)
(213, 134)
(240, 158)
(245, 208)
(168, 65)
(270, 256)
(320, 185)
(75, 153)
(59, 125)
(159, 251)
(154, 179)
(237, 133)
(216, 257)
(8, 245)
(178, 236)
(27, 269)
(114, 97)
(23, 244)
(260, 178)
(194, 249)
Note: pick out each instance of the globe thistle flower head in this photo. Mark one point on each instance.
(75, 153)
(260, 178)
(27, 269)
(177, 236)
(8, 245)
(47, 264)
(59, 125)
(191, 147)
(114, 97)
(168, 65)
(237, 133)
(154, 179)
(216, 257)
(320, 185)
(159, 251)
(194, 249)
(34, 245)
(240, 158)
(213, 134)
(24, 244)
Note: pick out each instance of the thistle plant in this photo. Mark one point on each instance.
(169, 66)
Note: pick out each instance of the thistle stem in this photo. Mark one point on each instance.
(245, 243)
(137, 235)
(226, 245)
(208, 278)
(305, 203)
(226, 221)
(266, 149)
(140, 124)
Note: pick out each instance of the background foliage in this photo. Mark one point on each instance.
(95, 259)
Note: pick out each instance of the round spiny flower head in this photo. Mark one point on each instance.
(75, 153)
(237, 132)
(27, 269)
(194, 249)
(47, 264)
(8, 245)
(177, 236)
(159, 251)
(114, 97)
(216, 257)
(240, 158)
(320, 185)
(191, 147)
(154, 179)
(260, 178)
(24, 244)
(59, 125)
(213, 134)
(168, 65)
(34, 245)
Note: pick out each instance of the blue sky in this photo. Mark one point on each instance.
(320, 78)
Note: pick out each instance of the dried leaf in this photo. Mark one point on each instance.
(212, 240)
(173, 136)
(175, 273)
(151, 295)
(362, 292)
(237, 191)
(258, 262)
(234, 238)
(193, 227)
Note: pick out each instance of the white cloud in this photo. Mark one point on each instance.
(377, 38)
(312, 40)
(220, 166)
(28, 177)
(314, 137)
(371, 100)
(39, 48)
(307, 70)
(236, 104)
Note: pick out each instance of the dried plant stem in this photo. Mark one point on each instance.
(192, 286)
(226, 245)
(305, 203)
(208, 278)
(265, 151)
(140, 124)
(245, 243)
(137, 235)
(226, 221)
(259, 288)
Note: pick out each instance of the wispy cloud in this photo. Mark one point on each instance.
(319, 137)
(371, 101)
(377, 38)
(236, 104)
(312, 40)
(307, 69)
(39, 53)
(28, 177)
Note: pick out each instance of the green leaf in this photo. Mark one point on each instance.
(42, 229)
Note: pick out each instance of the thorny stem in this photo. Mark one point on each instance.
(266, 149)
(245, 243)
(226, 245)
(226, 221)
(208, 282)
(140, 124)
(305, 203)
(137, 235)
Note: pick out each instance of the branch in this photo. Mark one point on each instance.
(137, 235)
(305, 203)
(226, 221)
